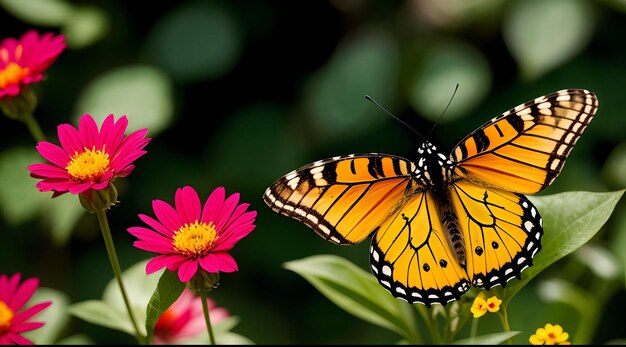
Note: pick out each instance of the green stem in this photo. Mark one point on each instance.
(205, 308)
(33, 127)
(115, 264)
(505, 322)
(474, 327)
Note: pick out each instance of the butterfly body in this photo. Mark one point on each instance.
(441, 224)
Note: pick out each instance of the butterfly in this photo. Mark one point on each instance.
(442, 224)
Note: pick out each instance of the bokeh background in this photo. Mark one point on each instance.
(237, 94)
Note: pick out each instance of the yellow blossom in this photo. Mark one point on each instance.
(550, 335)
(481, 306)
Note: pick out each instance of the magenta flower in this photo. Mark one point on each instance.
(88, 158)
(184, 319)
(190, 236)
(24, 61)
(14, 320)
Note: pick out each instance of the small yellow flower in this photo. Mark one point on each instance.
(550, 335)
(481, 306)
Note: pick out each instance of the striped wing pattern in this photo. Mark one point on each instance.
(524, 149)
(343, 199)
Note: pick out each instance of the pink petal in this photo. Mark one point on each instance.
(53, 153)
(47, 171)
(18, 339)
(70, 140)
(28, 326)
(227, 262)
(166, 215)
(23, 294)
(210, 263)
(213, 205)
(227, 210)
(30, 312)
(187, 270)
(154, 224)
(157, 263)
(105, 135)
(88, 131)
(188, 205)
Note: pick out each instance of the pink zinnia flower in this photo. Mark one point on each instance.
(14, 320)
(24, 61)
(190, 236)
(89, 158)
(185, 319)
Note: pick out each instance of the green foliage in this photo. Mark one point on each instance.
(167, 291)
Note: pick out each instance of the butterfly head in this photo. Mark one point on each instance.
(433, 168)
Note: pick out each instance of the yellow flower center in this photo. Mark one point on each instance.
(6, 316)
(12, 74)
(89, 165)
(194, 240)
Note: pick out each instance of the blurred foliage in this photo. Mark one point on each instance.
(239, 93)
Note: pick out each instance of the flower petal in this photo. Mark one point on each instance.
(188, 205)
(213, 205)
(187, 270)
(166, 215)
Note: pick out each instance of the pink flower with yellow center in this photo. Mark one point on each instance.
(184, 319)
(13, 318)
(24, 61)
(189, 236)
(88, 158)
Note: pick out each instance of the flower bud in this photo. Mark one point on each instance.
(97, 200)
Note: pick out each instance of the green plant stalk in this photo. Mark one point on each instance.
(502, 313)
(33, 127)
(205, 308)
(427, 317)
(115, 265)
(474, 327)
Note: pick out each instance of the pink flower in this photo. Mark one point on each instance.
(89, 158)
(24, 61)
(185, 319)
(190, 236)
(14, 320)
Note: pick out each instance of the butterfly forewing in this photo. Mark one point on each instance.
(524, 149)
(502, 232)
(344, 199)
(410, 256)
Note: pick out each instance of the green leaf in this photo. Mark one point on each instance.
(167, 292)
(20, 200)
(488, 339)
(542, 35)
(141, 92)
(76, 339)
(85, 25)
(443, 66)
(357, 292)
(111, 311)
(39, 12)
(569, 220)
(101, 313)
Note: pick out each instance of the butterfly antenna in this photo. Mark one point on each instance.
(444, 111)
(396, 118)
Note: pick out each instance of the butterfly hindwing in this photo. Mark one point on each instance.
(502, 232)
(524, 149)
(343, 199)
(410, 256)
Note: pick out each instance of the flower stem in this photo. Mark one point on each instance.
(205, 308)
(115, 264)
(33, 127)
(505, 322)
(474, 327)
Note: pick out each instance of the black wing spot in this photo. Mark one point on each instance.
(479, 251)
